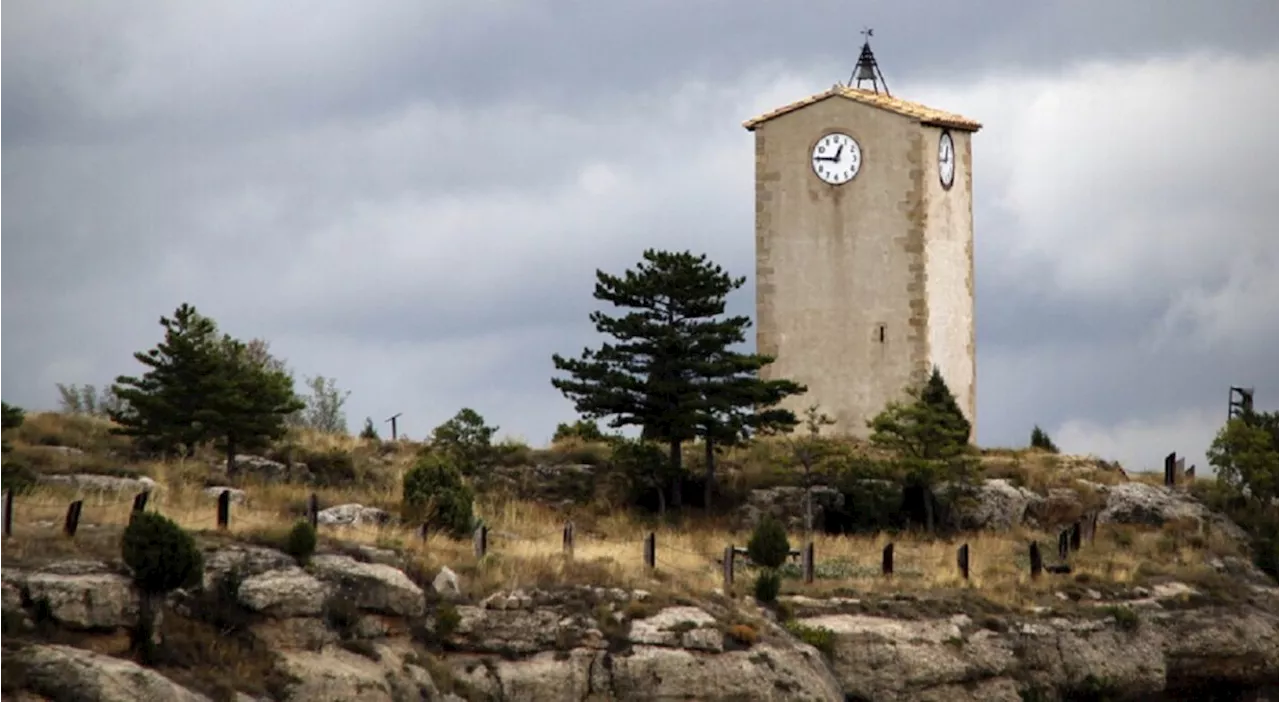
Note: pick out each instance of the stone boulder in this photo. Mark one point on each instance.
(787, 505)
(352, 514)
(288, 592)
(1155, 505)
(83, 595)
(996, 505)
(238, 496)
(66, 673)
(266, 469)
(92, 482)
(371, 586)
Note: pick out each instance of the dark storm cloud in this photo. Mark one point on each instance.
(414, 197)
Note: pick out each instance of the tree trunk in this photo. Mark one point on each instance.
(928, 509)
(808, 502)
(662, 495)
(709, 480)
(677, 473)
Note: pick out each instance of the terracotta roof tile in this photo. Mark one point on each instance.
(914, 110)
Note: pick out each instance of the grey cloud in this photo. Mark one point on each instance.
(415, 201)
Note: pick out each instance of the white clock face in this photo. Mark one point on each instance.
(946, 160)
(836, 158)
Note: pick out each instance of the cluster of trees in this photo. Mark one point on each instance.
(1246, 456)
(202, 386)
(672, 370)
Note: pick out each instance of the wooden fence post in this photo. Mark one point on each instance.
(1179, 467)
(72, 522)
(481, 540)
(568, 539)
(1191, 474)
(727, 569)
(1064, 544)
(651, 550)
(962, 560)
(224, 509)
(1093, 525)
(1037, 562)
(140, 501)
(8, 513)
(1075, 536)
(1169, 463)
(806, 561)
(886, 560)
(313, 510)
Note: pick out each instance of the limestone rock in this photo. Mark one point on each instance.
(765, 672)
(787, 505)
(667, 627)
(100, 483)
(66, 673)
(995, 504)
(289, 592)
(243, 561)
(352, 514)
(446, 584)
(372, 586)
(1153, 505)
(84, 596)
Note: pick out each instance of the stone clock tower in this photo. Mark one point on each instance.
(864, 248)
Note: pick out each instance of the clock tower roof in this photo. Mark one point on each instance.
(906, 108)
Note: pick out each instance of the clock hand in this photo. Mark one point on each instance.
(838, 152)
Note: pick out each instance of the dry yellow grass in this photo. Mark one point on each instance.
(525, 538)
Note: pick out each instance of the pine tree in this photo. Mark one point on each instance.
(160, 408)
(930, 436)
(10, 418)
(199, 388)
(669, 369)
(1040, 440)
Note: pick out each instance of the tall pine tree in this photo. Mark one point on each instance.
(201, 387)
(670, 370)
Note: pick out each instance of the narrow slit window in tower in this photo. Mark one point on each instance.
(880, 331)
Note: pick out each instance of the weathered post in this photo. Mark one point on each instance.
(8, 513)
(1075, 536)
(962, 560)
(567, 539)
(1169, 462)
(224, 509)
(481, 540)
(651, 551)
(886, 560)
(1037, 562)
(72, 522)
(140, 501)
(1064, 545)
(392, 419)
(313, 510)
(1179, 468)
(1191, 474)
(807, 563)
(727, 569)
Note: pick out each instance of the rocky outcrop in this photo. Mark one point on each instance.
(1155, 505)
(66, 673)
(787, 505)
(352, 514)
(265, 469)
(92, 482)
(1150, 647)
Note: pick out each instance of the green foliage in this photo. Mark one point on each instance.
(10, 418)
(1126, 619)
(768, 546)
(1040, 440)
(583, 430)
(18, 474)
(669, 368)
(369, 432)
(87, 399)
(767, 586)
(322, 407)
(162, 556)
(930, 435)
(447, 620)
(1245, 454)
(644, 465)
(435, 495)
(301, 543)
(819, 637)
(201, 387)
(467, 441)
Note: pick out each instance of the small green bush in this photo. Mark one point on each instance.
(435, 495)
(819, 637)
(1126, 619)
(162, 556)
(768, 584)
(768, 546)
(301, 543)
(332, 468)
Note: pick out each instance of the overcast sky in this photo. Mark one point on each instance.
(412, 197)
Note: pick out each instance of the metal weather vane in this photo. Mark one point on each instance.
(867, 69)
